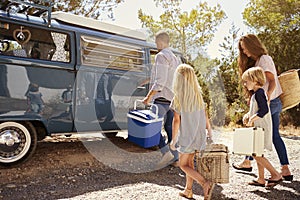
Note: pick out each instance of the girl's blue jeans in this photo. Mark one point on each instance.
(276, 107)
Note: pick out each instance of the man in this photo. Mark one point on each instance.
(161, 92)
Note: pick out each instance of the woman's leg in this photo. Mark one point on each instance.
(275, 107)
(245, 165)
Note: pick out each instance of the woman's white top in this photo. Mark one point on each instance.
(267, 64)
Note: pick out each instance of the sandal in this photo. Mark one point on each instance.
(271, 183)
(256, 183)
(186, 194)
(238, 167)
(288, 177)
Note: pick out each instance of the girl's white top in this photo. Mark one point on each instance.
(265, 123)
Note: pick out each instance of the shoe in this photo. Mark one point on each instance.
(256, 183)
(210, 191)
(186, 194)
(288, 177)
(166, 160)
(272, 183)
(246, 169)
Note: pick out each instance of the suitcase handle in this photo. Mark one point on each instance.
(156, 107)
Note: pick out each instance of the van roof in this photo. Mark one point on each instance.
(95, 24)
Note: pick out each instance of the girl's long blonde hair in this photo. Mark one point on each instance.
(187, 91)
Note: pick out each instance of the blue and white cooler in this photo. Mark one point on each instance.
(144, 127)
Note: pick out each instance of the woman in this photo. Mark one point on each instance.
(253, 53)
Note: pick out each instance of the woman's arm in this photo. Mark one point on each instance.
(272, 84)
(175, 129)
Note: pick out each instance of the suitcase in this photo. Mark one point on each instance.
(213, 163)
(248, 141)
(144, 127)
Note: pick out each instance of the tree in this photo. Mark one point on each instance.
(277, 23)
(213, 88)
(228, 64)
(190, 31)
(88, 8)
(96, 9)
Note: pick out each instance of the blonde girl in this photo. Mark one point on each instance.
(259, 115)
(189, 127)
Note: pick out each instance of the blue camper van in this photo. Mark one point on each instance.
(64, 74)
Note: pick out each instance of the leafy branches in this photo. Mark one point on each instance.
(190, 31)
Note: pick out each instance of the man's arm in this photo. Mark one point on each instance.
(149, 96)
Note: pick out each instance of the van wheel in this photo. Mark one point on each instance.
(17, 142)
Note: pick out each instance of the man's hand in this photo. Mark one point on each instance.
(146, 100)
(149, 96)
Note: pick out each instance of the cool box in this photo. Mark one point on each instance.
(144, 127)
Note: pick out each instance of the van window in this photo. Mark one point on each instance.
(107, 53)
(24, 41)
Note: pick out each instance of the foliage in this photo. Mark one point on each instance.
(277, 23)
(212, 88)
(189, 31)
(278, 26)
(228, 67)
(96, 9)
(273, 15)
(228, 72)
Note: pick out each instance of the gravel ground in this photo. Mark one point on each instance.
(108, 167)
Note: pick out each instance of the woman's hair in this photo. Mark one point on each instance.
(255, 74)
(255, 47)
(187, 91)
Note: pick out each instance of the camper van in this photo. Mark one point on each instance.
(65, 73)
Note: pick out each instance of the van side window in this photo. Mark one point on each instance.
(24, 41)
(107, 53)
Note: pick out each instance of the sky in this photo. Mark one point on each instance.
(126, 15)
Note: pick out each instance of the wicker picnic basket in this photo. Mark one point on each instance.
(290, 85)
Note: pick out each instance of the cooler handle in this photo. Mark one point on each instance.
(156, 107)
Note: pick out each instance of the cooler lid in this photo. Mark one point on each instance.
(146, 116)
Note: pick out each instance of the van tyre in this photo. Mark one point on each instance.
(18, 142)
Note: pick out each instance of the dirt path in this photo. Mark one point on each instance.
(113, 168)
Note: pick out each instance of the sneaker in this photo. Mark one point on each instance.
(166, 159)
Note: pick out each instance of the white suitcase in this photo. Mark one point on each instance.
(248, 141)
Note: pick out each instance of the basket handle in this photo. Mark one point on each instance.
(156, 107)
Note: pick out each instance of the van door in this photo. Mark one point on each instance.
(111, 76)
(37, 73)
